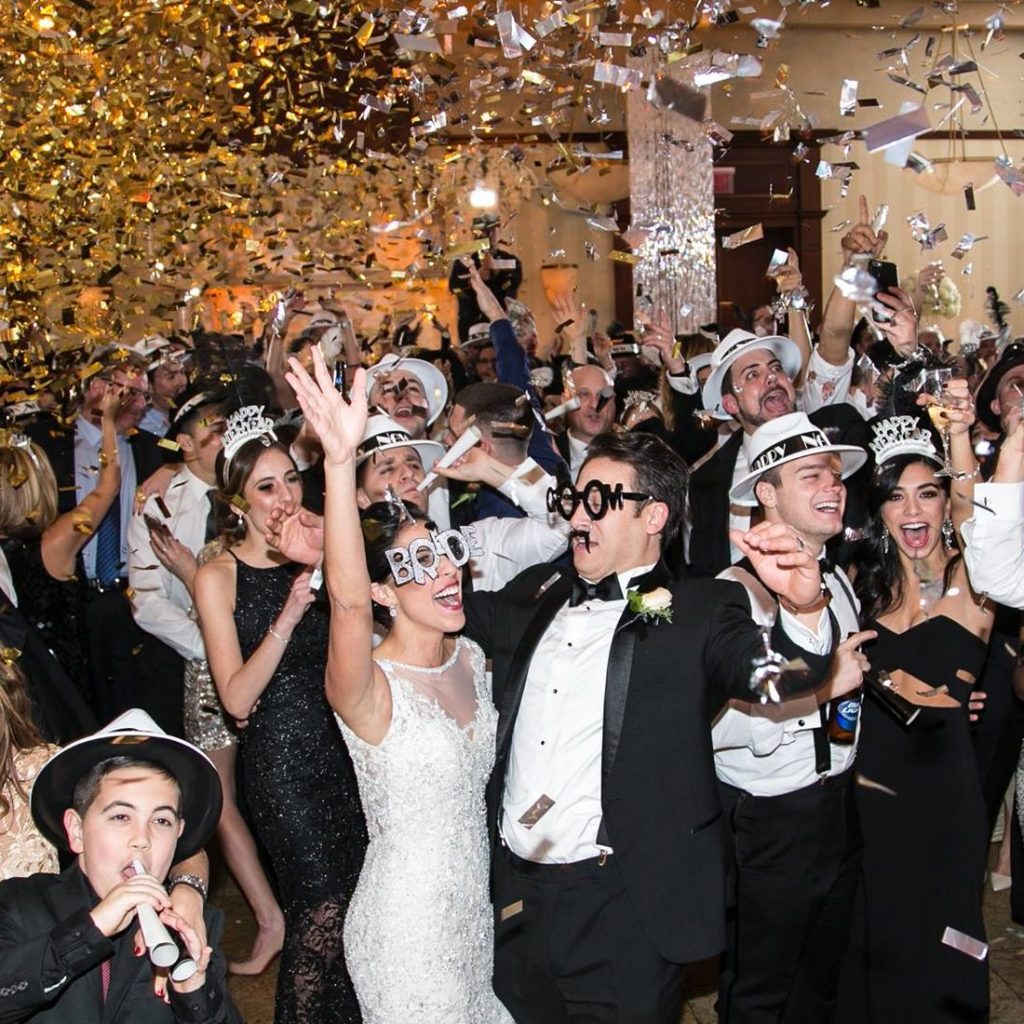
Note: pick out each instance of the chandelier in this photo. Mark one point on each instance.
(955, 170)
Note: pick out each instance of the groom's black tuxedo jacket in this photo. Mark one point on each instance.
(665, 681)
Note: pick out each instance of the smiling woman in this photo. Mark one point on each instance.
(924, 810)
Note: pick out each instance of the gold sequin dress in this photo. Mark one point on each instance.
(23, 850)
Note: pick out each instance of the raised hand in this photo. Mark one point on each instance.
(658, 334)
(901, 330)
(339, 424)
(788, 277)
(298, 535)
(485, 299)
(781, 560)
(1010, 467)
(860, 240)
(572, 319)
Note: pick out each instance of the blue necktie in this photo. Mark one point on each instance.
(108, 544)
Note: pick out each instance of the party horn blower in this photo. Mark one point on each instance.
(465, 441)
(163, 950)
(570, 405)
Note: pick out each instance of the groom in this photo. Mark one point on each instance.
(608, 865)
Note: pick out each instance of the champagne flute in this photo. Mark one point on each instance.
(934, 383)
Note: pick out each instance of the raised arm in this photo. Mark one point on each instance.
(571, 320)
(69, 533)
(837, 320)
(356, 687)
(994, 535)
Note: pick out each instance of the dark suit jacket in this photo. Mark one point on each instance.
(50, 952)
(59, 444)
(658, 791)
(711, 481)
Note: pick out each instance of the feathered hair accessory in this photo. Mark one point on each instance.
(248, 424)
(901, 435)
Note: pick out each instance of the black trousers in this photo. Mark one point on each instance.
(114, 642)
(569, 947)
(797, 862)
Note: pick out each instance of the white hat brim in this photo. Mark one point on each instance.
(853, 458)
(788, 353)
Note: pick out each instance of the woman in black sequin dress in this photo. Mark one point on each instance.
(267, 647)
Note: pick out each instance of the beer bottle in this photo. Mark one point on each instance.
(843, 714)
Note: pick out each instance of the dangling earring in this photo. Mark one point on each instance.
(393, 612)
(947, 533)
(885, 541)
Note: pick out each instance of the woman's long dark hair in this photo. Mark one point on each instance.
(879, 583)
(381, 523)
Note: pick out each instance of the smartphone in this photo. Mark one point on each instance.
(887, 278)
(154, 524)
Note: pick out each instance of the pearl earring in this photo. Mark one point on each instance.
(393, 612)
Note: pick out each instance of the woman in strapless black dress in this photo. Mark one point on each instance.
(920, 799)
(266, 644)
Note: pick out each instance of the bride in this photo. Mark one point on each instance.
(420, 727)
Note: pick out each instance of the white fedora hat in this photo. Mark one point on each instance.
(786, 439)
(435, 387)
(735, 344)
(382, 433)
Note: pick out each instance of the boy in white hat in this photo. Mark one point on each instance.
(127, 802)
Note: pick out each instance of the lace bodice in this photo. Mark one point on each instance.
(23, 850)
(438, 751)
(419, 935)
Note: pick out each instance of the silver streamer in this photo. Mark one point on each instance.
(674, 203)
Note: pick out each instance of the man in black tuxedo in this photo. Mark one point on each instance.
(609, 874)
(75, 455)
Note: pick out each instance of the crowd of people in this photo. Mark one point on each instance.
(513, 676)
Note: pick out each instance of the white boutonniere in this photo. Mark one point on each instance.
(653, 604)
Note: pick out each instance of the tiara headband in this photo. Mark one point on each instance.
(248, 424)
(901, 435)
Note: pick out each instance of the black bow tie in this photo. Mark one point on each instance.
(607, 589)
(826, 565)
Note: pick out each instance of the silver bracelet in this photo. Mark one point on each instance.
(192, 881)
(277, 636)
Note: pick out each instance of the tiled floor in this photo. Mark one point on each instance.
(255, 996)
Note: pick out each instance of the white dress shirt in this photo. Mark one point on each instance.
(87, 471)
(824, 383)
(994, 543)
(511, 544)
(155, 421)
(577, 454)
(6, 580)
(558, 735)
(160, 601)
(768, 749)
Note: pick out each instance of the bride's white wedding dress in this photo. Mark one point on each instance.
(419, 930)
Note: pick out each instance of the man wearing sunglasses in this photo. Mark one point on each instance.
(609, 866)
